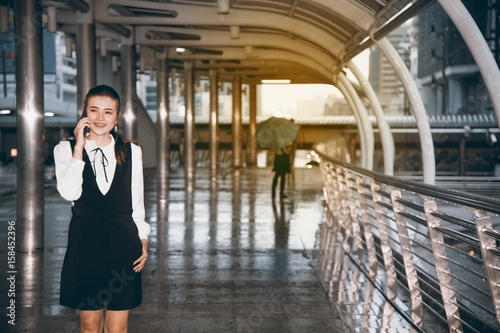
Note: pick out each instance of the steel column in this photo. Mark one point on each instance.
(30, 125)
(163, 142)
(237, 124)
(462, 162)
(128, 123)
(214, 121)
(85, 58)
(189, 162)
(252, 141)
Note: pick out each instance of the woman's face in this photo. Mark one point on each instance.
(103, 114)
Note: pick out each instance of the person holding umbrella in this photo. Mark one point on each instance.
(278, 134)
(281, 168)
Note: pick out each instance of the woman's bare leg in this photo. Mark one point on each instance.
(116, 321)
(91, 321)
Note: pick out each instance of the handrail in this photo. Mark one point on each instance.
(462, 198)
(431, 252)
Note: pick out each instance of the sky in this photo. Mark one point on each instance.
(282, 99)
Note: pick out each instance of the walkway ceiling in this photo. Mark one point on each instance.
(303, 40)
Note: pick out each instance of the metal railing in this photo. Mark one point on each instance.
(432, 253)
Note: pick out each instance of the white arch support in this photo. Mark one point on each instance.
(362, 119)
(385, 130)
(362, 139)
(424, 130)
(478, 47)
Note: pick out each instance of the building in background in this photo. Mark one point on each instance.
(59, 73)
(59, 76)
(440, 62)
(449, 79)
(384, 79)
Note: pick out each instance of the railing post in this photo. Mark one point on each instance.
(326, 246)
(345, 217)
(367, 228)
(406, 249)
(392, 283)
(357, 243)
(491, 261)
(331, 188)
(442, 267)
(333, 203)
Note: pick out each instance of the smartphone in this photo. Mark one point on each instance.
(86, 130)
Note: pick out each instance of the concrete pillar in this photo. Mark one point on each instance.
(30, 125)
(128, 124)
(85, 58)
(214, 121)
(237, 123)
(163, 142)
(252, 141)
(189, 162)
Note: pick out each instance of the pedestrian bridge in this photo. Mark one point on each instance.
(349, 250)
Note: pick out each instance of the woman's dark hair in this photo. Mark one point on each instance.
(107, 91)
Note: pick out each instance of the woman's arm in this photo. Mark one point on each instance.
(138, 211)
(69, 172)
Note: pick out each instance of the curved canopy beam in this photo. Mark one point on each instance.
(149, 35)
(229, 53)
(199, 16)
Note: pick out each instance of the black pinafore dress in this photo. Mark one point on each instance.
(103, 243)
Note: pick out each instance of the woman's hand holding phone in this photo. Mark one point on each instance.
(80, 131)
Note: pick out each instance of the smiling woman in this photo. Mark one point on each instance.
(103, 178)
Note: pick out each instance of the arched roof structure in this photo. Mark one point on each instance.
(304, 41)
(298, 32)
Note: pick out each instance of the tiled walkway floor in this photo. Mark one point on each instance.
(223, 258)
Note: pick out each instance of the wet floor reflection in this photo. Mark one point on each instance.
(161, 225)
(222, 258)
(236, 217)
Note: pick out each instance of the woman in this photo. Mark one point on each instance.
(107, 241)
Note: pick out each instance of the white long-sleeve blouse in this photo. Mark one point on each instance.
(69, 174)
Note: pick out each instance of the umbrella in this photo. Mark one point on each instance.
(276, 133)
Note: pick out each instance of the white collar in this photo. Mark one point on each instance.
(90, 144)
